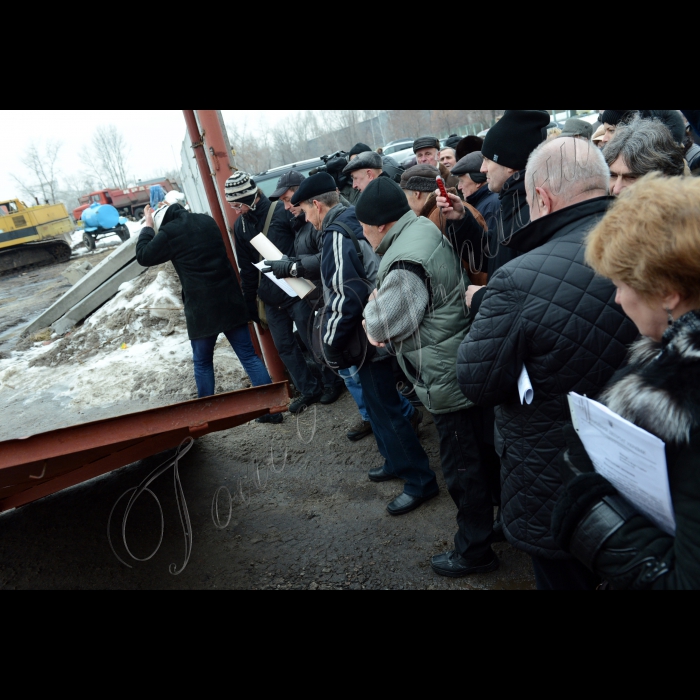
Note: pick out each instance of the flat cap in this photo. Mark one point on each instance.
(577, 127)
(471, 165)
(426, 142)
(369, 160)
(420, 178)
(314, 186)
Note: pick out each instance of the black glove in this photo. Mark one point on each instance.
(282, 269)
(333, 358)
(575, 460)
(252, 306)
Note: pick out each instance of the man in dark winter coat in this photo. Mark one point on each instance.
(281, 310)
(210, 290)
(349, 269)
(548, 313)
(505, 152)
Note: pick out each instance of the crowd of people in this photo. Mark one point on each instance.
(570, 254)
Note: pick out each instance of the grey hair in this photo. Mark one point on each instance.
(449, 148)
(329, 199)
(646, 146)
(568, 168)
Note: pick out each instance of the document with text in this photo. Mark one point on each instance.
(631, 459)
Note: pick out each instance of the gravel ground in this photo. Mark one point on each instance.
(311, 522)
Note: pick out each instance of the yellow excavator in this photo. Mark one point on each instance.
(33, 236)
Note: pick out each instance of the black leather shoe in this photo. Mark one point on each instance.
(303, 402)
(274, 419)
(379, 475)
(331, 394)
(405, 503)
(360, 430)
(453, 565)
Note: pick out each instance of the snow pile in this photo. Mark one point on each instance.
(134, 348)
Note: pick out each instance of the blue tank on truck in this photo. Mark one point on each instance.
(102, 216)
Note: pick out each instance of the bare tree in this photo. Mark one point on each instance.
(42, 164)
(106, 157)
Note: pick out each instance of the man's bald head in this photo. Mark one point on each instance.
(563, 172)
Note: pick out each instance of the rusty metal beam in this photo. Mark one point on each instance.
(217, 151)
(44, 464)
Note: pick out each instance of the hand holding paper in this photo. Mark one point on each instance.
(270, 252)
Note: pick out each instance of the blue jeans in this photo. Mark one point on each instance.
(397, 442)
(203, 357)
(351, 378)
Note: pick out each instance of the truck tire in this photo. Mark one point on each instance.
(89, 241)
(123, 233)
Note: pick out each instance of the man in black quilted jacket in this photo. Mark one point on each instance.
(546, 312)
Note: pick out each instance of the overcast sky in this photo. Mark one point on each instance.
(155, 137)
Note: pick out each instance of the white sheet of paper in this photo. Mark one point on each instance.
(282, 284)
(631, 459)
(527, 393)
(270, 251)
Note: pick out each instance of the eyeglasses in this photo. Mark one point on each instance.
(238, 206)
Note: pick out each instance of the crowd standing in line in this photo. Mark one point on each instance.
(553, 252)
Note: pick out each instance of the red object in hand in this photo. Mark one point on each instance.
(441, 186)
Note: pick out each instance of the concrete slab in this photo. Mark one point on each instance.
(75, 272)
(112, 264)
(95, 299)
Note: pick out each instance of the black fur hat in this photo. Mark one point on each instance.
(469, 144)
(671, 118)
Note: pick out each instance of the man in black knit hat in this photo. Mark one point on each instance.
(357, 149)
(506, 149)
(612, 118)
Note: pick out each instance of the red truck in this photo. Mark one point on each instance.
(129, 202)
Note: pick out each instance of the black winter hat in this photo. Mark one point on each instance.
(426, 142)
(669, 117)
(382, 202)
(314, 186)
(511, 141)
(471, 165)
(617, 116)
(467, 145)
(452, 142)
(359, 148)
(369, 160)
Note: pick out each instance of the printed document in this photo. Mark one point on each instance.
(282, 284)
(270, 251)
(527, 393)
(631, 459)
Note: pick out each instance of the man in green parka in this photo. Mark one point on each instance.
(418, 311)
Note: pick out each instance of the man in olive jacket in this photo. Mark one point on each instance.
(210, 290)
(419, 310)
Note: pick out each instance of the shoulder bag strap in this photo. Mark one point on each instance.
(352, 235)
(266, 230)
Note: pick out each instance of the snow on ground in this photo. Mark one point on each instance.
(135, 348)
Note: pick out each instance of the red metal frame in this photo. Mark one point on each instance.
(38, 466)
(213, 153)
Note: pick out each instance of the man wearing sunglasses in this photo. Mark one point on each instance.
(281, 310)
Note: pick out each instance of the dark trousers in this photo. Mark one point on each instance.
(570, 575)
(469, 481)
(397, 442)
(281, 323)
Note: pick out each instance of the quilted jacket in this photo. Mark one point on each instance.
(545, 310)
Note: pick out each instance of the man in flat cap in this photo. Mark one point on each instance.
(577, 129)
(427, 150)
(363, 169)
(349, 269)
(472, 183)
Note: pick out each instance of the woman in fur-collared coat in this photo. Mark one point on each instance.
(649, 245)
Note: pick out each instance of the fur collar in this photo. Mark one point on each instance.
(660, 391)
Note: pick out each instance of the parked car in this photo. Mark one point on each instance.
(393, 147)
(267, 181)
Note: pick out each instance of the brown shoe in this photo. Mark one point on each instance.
(360, 430)
(416, 420)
